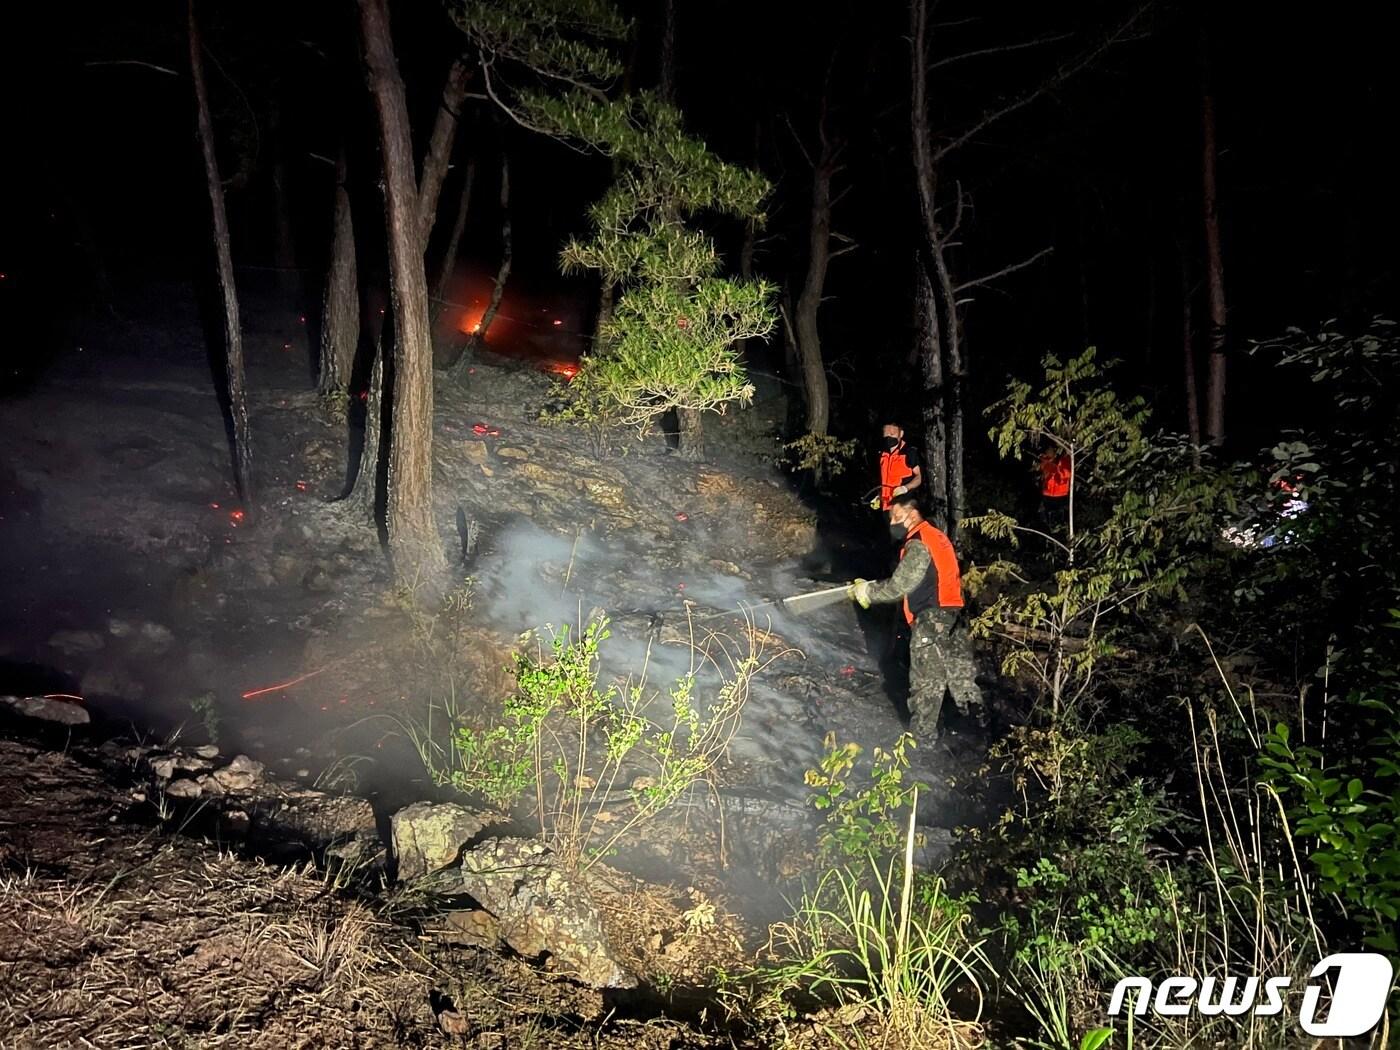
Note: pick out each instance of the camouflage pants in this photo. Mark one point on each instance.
(940, 661)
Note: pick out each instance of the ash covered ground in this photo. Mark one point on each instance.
(138, 582)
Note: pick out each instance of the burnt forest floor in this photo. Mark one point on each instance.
(138, 583)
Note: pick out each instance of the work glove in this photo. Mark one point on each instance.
(875, 503)
(859, 592)
(899, 491)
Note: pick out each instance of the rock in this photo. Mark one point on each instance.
(541, 908)
(360, 852)
(75, 643)
(111, 680)
(242, 774)
(48, 709)
(313, 818)
(186, 789)
(163, 767)
(475, 452)
(453, 1023)
(429, 837)
(511, 452)
(318, 580)
(473, 929)
(207, 751)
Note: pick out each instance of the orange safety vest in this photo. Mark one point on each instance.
(1054, 474)
(894, 471)
(947, 592)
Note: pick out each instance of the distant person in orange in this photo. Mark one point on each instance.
(900, 471)
(1056, 473)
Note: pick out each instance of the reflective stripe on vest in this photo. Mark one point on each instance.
(894, 471)
(944, 592)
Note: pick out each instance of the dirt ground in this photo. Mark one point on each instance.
(116, 933)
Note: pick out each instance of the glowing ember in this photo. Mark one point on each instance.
(567, 369)
(682, 516)
(301, 486)
(557, 322)
(481, 429)
(283, 685)
(214, 505)
(236, 517)
(848, 670)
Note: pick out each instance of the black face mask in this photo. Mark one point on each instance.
(891, 444)
(898, 531)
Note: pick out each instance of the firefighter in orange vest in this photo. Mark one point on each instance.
(900, 471)
(1056, 472)
(928, 582)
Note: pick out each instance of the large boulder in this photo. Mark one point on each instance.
(542, 909)
(429, 836)
(282, 812)
(48, 709)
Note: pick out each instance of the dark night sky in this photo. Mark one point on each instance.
(1105, 170)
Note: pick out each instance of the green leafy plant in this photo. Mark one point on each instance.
(595, 760)
(1140, 515)
(860, 819)
(824, 455)
(888, 959)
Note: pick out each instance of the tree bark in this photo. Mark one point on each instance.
(929, 337)
(414, 546)
(1215, 272)
(340, 316)
(809, 344)
(366, 495)
(507, 250)
(454, 241)
(437, 160)
(236, 391)
(954, 384)
(1188, 355)
(929, 327)
(666, 78)
(478, 337)
(691, 436)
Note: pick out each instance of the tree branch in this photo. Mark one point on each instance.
(1004, 271)
(1001, 49)
(1064, 73)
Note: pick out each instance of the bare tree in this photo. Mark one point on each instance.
(414, 545)
(940, 291)
(454, 240)
(1215, 271)
(340, 316)
(478, 335)
(825, 164)
(236, 386)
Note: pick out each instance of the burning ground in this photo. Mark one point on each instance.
(140, 585)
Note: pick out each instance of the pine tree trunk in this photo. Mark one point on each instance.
(1188, 355)
(233, 335)
(936, 468)
(438, 158)
(809, 344)
(1215, 275)
(414, 546)
(340, 316)
(507, 250)
(367, 495)
(930, 342)
(691, 437)
(666, 78)
(954, 385)
(454, 242)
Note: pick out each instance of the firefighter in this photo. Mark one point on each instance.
(928, 582)
(900, 471)
(1056, 472)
